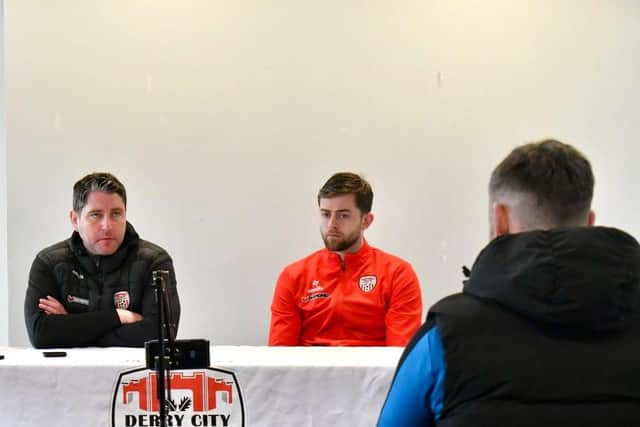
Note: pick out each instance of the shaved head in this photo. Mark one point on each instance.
(544, 185)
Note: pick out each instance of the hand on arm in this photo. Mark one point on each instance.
(137, 328)
(126, 317)
(50, 305)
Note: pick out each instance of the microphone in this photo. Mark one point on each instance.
(160, 279)
(157, 274)
(466, 271)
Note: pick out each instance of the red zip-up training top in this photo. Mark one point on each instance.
(371, 299)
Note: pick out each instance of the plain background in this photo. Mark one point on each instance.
(224, 118)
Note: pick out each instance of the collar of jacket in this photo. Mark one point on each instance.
(582, 277)
(350, 259)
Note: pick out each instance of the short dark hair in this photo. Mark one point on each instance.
(348, 183)
(557, 176)
(97, 181)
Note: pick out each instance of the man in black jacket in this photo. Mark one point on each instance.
(545, 331)
(95, 288)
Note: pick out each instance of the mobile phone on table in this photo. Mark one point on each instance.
(54, 353)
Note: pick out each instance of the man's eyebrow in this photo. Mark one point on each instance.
(337, 210)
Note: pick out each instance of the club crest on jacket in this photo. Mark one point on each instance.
(368, 283)
(121, 300)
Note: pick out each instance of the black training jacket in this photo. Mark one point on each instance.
(91, 288)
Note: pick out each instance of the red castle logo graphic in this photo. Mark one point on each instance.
(203, 389)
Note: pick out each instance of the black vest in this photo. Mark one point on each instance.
(503, 369)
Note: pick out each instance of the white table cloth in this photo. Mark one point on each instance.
(281, 386)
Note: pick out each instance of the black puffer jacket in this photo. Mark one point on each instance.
(546, 332)
(91, 288)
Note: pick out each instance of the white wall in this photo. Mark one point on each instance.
(223, 118)
(4, 284)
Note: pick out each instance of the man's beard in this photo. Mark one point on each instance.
(341, 244)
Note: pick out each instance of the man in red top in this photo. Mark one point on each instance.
(348, 294)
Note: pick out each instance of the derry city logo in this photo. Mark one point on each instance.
(199, 397)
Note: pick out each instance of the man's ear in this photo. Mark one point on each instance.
(367, 220)
(501, 219)
(591, 218)
(73, 217)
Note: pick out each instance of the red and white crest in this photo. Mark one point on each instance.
(368, 283)
(121, 300)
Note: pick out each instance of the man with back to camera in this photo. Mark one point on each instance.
(348, 294)
(95, 288)
(545, 331)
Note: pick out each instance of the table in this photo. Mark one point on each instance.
(280, 386)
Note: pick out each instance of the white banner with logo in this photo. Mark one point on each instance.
(199, 397)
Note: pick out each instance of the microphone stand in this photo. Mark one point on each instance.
(165, 353)
(166, 338)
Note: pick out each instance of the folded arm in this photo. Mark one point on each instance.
(60, 330)
(135, 334)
